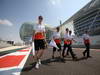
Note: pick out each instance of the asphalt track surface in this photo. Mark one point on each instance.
(82, 66)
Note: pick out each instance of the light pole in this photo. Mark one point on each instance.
(61, 32)
(61, 28)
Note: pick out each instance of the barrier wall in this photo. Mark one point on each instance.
(95, 42)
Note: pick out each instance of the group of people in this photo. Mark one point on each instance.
(39, 38)
(67, 39)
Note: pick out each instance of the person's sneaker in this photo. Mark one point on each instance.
(63, 56)
(53, 57)
(75, 59)
(39, 62)
(89, 56)
(83, 54)
(67, 54)
(63, 60)
(37, 66)
(74, 54)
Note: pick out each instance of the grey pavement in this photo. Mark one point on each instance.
(83, 66)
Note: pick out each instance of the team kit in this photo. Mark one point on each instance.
(39, 39)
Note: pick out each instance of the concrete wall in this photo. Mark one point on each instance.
(95, 42)
(4, 44)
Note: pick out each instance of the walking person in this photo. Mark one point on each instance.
(39, 41)
(57, 38)
(86, 39)
(71, 41)
(66, 42)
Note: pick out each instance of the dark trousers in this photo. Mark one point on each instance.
(87, 50)
(69, 50)
(59, 46)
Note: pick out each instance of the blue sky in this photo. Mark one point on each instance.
(15, 12)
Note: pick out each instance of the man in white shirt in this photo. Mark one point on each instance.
(39, 41)
(66, 42)
(70, 50)
(57, 38)
(86, 39)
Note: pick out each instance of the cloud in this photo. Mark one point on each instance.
(54, 2)
(6, 22)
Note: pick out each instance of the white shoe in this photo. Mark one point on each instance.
(37, 66)
(39, 61)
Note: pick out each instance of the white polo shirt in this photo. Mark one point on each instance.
(66, 36)
(39, 28)
(86, 36)
(56, 35)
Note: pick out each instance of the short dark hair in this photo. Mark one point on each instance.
(86, 31)
(67, 29)
(40, 17)
(70, 31)
(57, 28)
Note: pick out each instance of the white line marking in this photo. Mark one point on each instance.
(17, 69)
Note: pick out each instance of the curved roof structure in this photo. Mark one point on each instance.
(27, 28)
